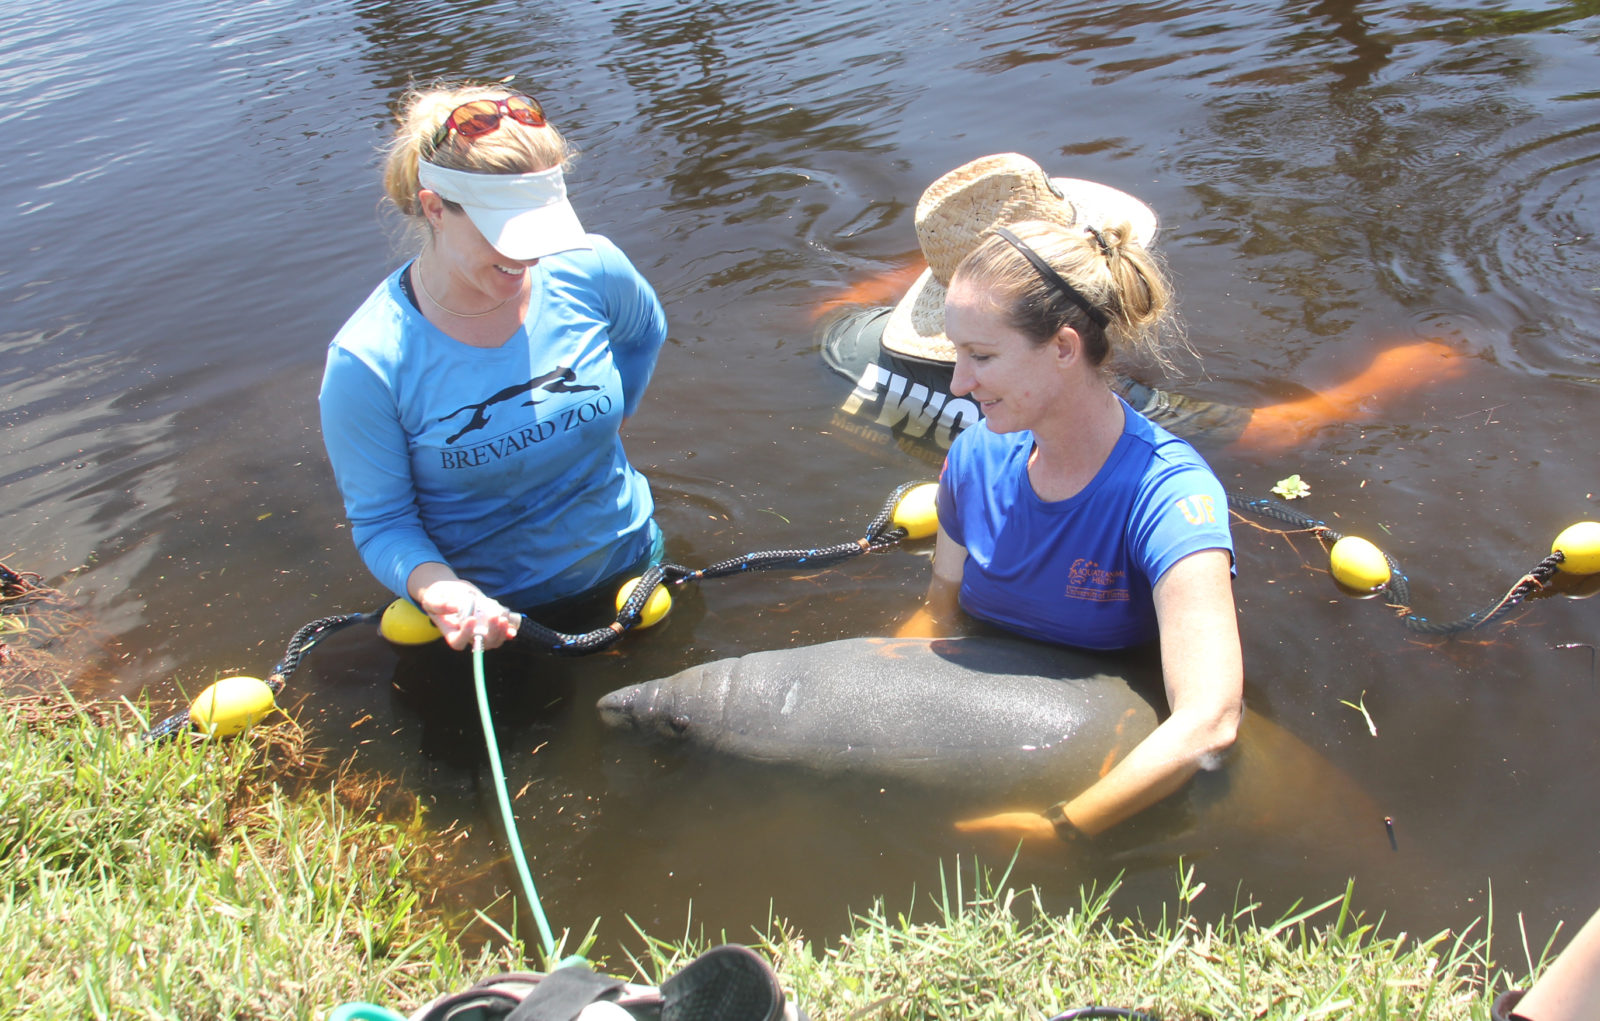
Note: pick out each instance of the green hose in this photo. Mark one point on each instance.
(373, 1012)
(504, 796)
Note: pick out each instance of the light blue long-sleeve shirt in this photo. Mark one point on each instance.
(504, 463)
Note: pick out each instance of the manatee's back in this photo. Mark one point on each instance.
(979, 713)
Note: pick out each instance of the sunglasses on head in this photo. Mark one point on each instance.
(481, 116)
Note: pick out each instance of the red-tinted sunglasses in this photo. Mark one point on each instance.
(481, 116)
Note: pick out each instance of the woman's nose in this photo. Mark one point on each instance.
(961, 378)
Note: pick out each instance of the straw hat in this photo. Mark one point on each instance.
(961, 207)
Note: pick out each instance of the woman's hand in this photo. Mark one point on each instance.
(940, 613)
(1012, 825)
(459, 609)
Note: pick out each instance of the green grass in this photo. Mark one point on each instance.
(202, 881)
(180, 881)
(995, 953)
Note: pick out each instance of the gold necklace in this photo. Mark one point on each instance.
(451, 311)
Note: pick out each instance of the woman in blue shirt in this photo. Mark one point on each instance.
(471, 406)
(1066, 516)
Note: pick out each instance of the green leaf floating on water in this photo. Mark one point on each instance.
(1291, 488)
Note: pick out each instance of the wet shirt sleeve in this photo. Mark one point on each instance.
(367, 447)
(1180, 510)
(638, 323)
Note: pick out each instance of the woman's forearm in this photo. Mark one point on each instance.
(424, 575)
(1203, 669)
(1570, 988)
(1158, 766)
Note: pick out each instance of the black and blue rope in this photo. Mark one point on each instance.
(879, 534)
(1399, 587)
(300, 643)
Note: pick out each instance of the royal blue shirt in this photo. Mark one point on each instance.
(1079, 571)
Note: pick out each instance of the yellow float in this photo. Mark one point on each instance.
(655, 607)
(916, 511)
(1580, 546)
(231, 706)
(1358, 564)
(403, 624)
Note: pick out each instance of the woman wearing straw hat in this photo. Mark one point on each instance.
(900, 360)
(471, 406)
(1064, 515)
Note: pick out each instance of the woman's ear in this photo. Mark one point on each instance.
(432, 206)
(1069, 346)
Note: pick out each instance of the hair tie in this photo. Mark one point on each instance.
(1100, 239)
(1052, 277)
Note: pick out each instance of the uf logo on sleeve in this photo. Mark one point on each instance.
(1199, 509)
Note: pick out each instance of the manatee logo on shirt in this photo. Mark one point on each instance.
(556, 381)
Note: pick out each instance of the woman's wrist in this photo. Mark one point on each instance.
(424, 576)
(1066, 829)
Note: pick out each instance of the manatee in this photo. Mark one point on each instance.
(964, 714)
(1003, 722)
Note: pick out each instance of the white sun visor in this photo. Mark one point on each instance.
(524, 216)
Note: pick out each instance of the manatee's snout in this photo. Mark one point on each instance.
(619, 709)
(644, 709)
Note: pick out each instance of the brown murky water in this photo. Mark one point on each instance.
(192, 209)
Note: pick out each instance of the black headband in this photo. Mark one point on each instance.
(1051, 276)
